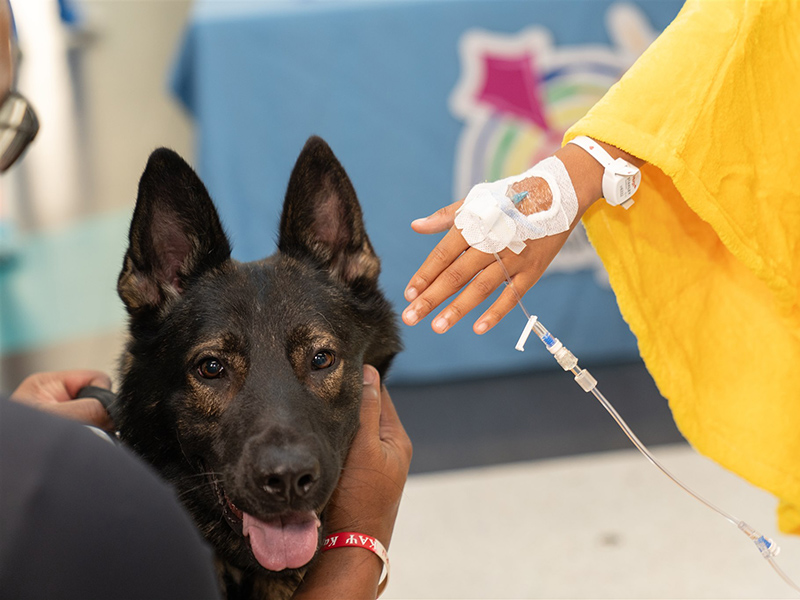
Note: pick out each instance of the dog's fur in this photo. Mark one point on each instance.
(241, 382)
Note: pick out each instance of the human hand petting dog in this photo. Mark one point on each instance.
(56, 392)
(374, 474)
(366, 499)
(453, 265)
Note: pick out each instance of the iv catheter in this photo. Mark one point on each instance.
(569, 362)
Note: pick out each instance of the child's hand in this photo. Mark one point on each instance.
(452, 265)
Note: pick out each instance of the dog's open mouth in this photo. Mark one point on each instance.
(288, 541)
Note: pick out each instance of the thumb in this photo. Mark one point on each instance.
(391, 427)
(441, 220)
(75, 380)
(371, 400)
(86, 410)
(91, 411)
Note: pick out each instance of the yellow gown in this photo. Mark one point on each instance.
(706, 264)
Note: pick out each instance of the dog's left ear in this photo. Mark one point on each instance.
(322, 219)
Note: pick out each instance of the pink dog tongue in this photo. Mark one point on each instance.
(287, 543)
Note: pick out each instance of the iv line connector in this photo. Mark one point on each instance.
(585, 380)
(765, 545)
(564, 357)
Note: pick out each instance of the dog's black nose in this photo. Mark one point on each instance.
(286, 476)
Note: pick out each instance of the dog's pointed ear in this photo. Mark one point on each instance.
(322, 218)
(175, 234)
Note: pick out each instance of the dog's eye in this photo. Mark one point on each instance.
(323, 359)
(211, 368)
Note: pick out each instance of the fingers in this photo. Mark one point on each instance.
(479, 289)
(443, 274)
(56, 392)
(450, 280)
(504, 304)
(439, 221)
(75, 380)
(86, 410)
(440, 258)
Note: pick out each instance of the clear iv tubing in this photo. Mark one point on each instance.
(569, 362)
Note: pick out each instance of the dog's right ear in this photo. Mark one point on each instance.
(175, 235)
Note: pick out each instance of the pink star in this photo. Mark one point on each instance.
(511, 86)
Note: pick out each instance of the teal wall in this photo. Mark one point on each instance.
(61, 284)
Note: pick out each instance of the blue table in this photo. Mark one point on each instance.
(419, 100)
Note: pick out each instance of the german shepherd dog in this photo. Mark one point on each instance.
(241, 382)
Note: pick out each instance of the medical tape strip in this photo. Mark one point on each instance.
(489, 221)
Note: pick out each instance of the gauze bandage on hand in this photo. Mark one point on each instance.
(490, 222)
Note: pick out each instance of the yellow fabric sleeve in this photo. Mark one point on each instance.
(706, 264)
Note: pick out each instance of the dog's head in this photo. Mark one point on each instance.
(242, 382)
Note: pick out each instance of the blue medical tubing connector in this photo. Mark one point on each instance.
(569, 362)
(517, 198)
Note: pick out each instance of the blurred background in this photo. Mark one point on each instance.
(522, 486)
(96, 74)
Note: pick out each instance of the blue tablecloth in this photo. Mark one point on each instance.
(419, 100)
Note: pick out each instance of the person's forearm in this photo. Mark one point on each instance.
(351, 573)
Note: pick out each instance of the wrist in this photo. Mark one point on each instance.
(351, 573)
(587, 173)
(376, 518)
(354, 539)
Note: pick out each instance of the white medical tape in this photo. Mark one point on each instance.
(489, 221)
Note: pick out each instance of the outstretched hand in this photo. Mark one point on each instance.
(453, 265)
(57, 392)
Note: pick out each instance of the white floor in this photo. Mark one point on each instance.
(597, 526)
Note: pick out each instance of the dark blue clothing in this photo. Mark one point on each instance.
(81, 518)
